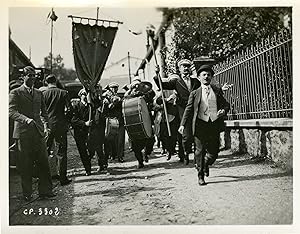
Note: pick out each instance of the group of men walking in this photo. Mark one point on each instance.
(195, 113)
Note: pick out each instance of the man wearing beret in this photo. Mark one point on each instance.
(27, 108)
(183, 83)
(207, 107)
(58, 106)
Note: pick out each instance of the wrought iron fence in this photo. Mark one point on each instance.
(262, 78)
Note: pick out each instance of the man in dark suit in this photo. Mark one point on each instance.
(206, 106)
(26, 107)
(183, 84)
(89, 133)
(58, 106)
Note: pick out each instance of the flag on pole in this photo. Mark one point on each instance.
(91, 47)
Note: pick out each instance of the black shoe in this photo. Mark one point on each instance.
(88, 173)
(181, 160)
(169, 157)
(186, 160)
(27, 198)
(141, 165)
(102, 170)
(65, 182)
(201, 182)
(146, 158)
(206, 172)
(49, 195)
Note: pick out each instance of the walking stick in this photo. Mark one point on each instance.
(151, 33)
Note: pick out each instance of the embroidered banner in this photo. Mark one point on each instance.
(91, 47)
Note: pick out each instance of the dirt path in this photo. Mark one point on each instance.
(239, 191)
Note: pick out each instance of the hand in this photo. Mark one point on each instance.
(220, 113)
(157, 69)
(180, 129)
(30, 122)
(226, 86)
(88, 123)
(47, 132)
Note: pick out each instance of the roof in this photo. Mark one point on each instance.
(20, 54)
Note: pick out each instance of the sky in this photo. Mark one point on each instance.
(31, 31)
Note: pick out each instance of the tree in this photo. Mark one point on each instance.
(58, 69)
(219, 32)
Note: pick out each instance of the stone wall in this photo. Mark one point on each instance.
(274, 144)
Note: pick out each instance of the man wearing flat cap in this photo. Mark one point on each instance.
(27, 108)
(206, 107)
(183, 84)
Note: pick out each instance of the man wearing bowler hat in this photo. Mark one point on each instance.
(207, 107)
(27, 108)
(183, 83)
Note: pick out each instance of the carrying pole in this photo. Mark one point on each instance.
(151, 35)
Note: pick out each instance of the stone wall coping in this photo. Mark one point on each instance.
(269, 123)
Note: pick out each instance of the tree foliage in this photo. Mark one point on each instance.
(58, 68)
(219, 32)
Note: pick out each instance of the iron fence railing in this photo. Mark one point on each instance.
(262, 78)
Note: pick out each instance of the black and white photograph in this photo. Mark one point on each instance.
(150, 116)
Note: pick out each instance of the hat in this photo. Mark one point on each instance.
(205, 68)
(81, 91)
(28, 70)
(134, 81)
(147, 83)
(51, 78)
(125, 87)
(184, 61)
(113, 85)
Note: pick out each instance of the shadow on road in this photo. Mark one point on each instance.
(122, 191)
(245, 178)
(118, 178)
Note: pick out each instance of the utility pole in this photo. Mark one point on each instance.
(128, 56)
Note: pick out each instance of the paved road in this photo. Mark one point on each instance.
(240, 191)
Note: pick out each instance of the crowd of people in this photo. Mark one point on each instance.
(195, 110)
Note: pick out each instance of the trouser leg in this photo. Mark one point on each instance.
(137, 147)
(121, 141)
(83, 152)
(61, 140)
(45, 182)
(25, 165)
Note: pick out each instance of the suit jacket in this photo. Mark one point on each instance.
(177, 83)
(192, 107)
(56, 101)
(22, 106)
